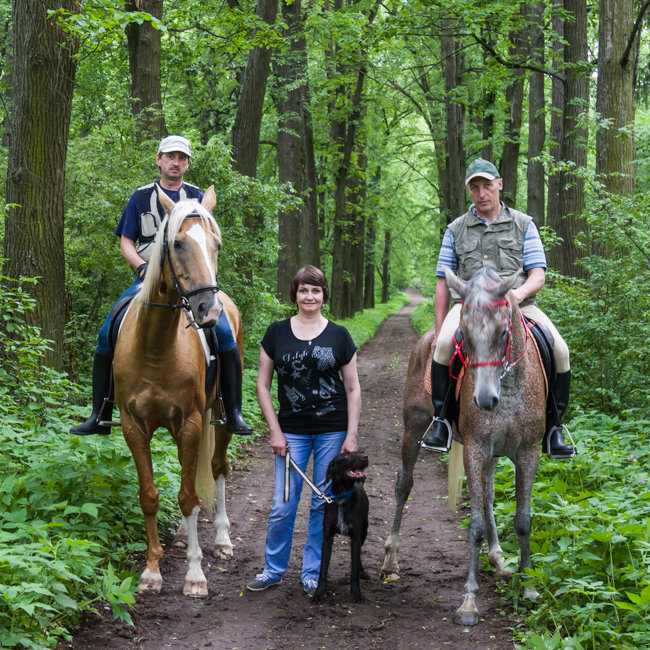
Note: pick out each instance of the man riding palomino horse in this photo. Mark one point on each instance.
(492, 235)
(139, 223)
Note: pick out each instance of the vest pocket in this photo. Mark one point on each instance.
(149, 224)
(510, 254)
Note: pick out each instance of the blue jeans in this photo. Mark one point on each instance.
(222, 328)
(283, 515)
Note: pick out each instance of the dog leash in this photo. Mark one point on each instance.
(288, 461)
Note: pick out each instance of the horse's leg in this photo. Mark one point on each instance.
(494, 548)
(187, 441)
(526, 468)
(223, 548)
(415, 423)
(138, 442)
(476, 467)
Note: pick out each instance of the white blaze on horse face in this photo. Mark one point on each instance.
(197, 233)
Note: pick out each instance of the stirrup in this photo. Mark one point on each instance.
(449, 435)
(547, 446)
(213, 416)
(107, 423)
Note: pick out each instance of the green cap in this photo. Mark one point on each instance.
(482, 168)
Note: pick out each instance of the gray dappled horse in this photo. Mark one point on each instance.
(502, 413)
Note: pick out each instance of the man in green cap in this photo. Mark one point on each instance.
(492, 235)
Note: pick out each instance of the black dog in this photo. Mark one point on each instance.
(348, 515)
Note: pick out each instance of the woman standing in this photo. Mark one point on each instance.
(320, 403)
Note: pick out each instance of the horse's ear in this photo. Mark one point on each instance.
(165, 201)
(508, 283)
(209, 199)
(453, 281)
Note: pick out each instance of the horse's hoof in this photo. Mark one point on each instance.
(389, 575)
(223, 552)
(195, 589)
(150, 586)
(531, 594)
(466, 618)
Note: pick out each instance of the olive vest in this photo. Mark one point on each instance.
(499, 246)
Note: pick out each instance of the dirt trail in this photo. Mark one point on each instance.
(414, 612)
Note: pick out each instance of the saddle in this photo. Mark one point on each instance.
(118, 312)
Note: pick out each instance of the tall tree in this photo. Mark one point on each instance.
(297, 227)
(248, 120)
(43, 74)
(574, 138)
(536, 117)
(618, 36)
(144, 63)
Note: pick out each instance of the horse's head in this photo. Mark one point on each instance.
(486, 326)
(184, 258)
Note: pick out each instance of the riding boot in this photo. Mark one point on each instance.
(231, 376)
(102, 370)
(554, 444)
(441, 394)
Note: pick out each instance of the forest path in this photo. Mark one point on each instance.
(414, 612)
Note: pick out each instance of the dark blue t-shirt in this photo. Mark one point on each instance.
(130, 223)
(310, 389)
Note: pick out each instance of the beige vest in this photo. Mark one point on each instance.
(499, 246)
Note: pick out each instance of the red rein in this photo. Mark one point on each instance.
(505, 361)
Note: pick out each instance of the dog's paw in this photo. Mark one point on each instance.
(318, 597)
(357, 597)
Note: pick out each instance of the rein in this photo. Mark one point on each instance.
(505, 361)
(184, 303)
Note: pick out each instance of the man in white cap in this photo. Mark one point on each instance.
(492, 235)
(137, 229)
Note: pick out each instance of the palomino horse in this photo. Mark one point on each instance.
(160, 373)
(501, 413)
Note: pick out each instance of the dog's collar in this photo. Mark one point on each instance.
(338, 498)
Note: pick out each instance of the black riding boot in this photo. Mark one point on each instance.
(554, 445)
(231, 374)
(441, 391)
(102, 369)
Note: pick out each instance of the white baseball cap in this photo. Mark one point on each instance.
(175, 143)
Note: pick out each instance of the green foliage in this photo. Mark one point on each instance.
(590, 539)
(70, 518)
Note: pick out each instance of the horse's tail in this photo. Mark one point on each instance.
(205, 485)
(456, 474)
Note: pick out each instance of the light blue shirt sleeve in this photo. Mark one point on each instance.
(533, 250)
(447, 257)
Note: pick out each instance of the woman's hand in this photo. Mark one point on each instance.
(350, 443)
(278, 443)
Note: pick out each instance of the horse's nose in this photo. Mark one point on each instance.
(486, 399)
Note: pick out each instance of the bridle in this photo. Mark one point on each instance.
(505, 361)
(184, 303)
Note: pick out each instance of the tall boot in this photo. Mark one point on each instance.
(441, 393)
(102, 369)
(554, 444)
(231, 375)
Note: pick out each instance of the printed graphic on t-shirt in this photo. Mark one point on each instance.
(296, 366)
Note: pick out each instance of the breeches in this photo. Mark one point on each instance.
(445, 346)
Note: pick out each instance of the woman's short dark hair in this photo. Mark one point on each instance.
(309, 275)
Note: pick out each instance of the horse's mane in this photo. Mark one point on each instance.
(173, 223)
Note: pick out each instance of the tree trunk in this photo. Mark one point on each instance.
(297, 229)
(615, 154)
(536, 118)
(557, 111)
(574, 140)
(455, 114)
(248, 120)
(144, 63)
(44, 68)
(515, 99)
(385, 267)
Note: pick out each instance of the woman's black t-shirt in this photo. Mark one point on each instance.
(310, 389)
